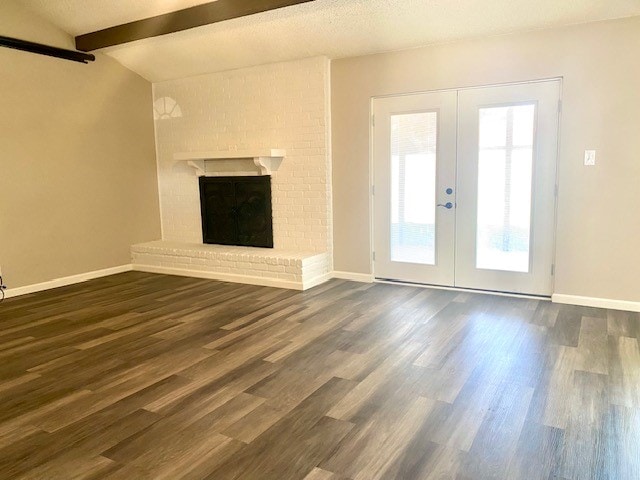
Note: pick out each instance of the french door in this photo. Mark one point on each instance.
(464, 187)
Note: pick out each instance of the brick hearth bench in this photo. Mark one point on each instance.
(257, 266)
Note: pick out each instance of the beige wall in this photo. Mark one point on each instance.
(598, 207)
(77, 159)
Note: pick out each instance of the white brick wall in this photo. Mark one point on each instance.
(284, 105)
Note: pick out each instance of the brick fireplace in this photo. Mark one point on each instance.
(268, 120)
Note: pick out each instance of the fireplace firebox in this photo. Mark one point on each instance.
(237, 211)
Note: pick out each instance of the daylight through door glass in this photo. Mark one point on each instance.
(505, 170)
(413, 187)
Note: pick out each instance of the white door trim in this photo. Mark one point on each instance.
(560, 80)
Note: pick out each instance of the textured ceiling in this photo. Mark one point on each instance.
(335, 28)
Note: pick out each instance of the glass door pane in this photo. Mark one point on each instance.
(505, 172)
(413, 187)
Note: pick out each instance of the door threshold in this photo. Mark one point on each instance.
(461, 289)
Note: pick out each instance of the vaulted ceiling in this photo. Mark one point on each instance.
(335, 28)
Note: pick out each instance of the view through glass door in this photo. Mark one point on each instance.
(464, 187)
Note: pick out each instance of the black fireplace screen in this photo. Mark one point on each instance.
(236, 211)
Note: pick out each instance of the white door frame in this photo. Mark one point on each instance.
(560, 79)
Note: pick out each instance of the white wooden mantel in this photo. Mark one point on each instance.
(245, 163)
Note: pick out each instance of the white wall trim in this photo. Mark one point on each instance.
(64, 281)
(273, 282)
(596, 302)
(223, 277)
(354, 277)
(314, 282)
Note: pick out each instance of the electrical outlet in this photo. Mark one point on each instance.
(589, 157)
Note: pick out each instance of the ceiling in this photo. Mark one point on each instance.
(335, 28)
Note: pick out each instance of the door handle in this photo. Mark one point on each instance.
(447, 205)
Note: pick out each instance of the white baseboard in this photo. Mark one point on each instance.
(314, 282)
(354, 277)
(596, 302)
(271, 282)
(64, 281)
(223, 277)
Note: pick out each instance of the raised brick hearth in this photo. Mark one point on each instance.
(257, 266)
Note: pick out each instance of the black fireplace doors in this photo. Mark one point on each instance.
(237, 211)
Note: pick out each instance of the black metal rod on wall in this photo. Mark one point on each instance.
(41, 49)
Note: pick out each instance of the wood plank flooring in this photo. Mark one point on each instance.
(141, 376)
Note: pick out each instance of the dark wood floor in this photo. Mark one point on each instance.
(149, 376)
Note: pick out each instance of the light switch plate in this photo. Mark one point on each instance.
(589, 157)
